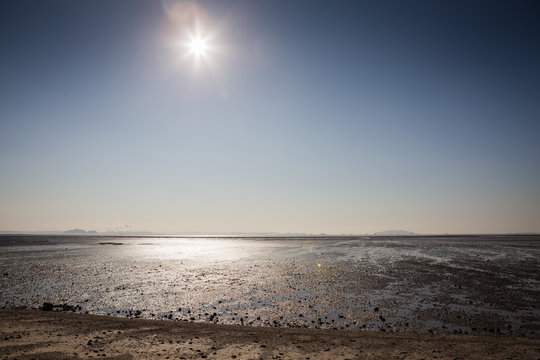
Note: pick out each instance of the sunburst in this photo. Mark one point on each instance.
(198, 46)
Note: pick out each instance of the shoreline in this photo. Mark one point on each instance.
(33, 334)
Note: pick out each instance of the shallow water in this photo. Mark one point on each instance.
(467, 284)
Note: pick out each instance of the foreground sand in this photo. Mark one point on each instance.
(27, 334)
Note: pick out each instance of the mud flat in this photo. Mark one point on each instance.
(31, 334)
(472, 285)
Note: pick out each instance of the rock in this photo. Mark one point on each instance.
(47, 306)
(66, 307)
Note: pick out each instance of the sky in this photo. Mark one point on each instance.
(301, 117)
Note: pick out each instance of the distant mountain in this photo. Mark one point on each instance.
(394, 233)
(79, 231)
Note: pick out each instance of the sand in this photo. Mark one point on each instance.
(32, 334)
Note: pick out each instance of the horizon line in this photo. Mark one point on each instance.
(252, 234)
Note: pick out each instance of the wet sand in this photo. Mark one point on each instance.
(477, 285)
(31, 334)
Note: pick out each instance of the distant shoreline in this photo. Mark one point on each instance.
(265, 236)
(50, 335)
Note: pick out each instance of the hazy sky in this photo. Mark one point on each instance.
(304, 116)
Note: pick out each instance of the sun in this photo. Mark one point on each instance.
(198, 46)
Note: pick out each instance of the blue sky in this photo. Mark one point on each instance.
(308, 116)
